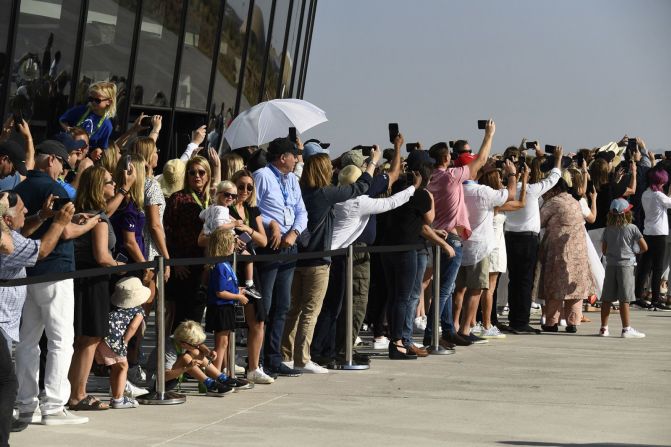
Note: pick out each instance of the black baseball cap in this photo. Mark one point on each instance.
(69, 142)
(16, 155)
(281, 146)
(53, 147)
(606, 155)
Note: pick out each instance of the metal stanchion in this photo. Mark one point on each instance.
(349, 364)
(231, 337)
(160, 396)
(435, 348)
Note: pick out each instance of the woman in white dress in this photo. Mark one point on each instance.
(498, 257)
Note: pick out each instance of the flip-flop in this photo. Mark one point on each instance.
(89, 403)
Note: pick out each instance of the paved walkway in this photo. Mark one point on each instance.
(545, 390)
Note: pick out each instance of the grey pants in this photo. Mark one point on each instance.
(360, 284)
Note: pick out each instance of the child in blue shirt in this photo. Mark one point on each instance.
(222, 296)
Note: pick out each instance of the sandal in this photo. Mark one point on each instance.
(584, 319)
(89, 403)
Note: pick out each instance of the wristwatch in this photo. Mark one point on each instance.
(298, 233)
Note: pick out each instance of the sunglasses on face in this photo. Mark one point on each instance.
(97, 100)
(109, 182)
(248, 186)
(197, 172)
(230, 195)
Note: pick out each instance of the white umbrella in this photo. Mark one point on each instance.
(272, 119)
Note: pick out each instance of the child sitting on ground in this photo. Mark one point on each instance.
(217, 216)
(124, 320)
(186, 353)
(618, 242)
(223, 293)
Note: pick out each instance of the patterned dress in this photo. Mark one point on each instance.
(565, 272)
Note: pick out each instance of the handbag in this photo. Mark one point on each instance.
(303, 240)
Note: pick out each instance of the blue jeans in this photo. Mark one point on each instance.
(449, 267)
(422, 260)
(276, 279)
(400, 271)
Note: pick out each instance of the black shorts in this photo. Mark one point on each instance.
(220, 318)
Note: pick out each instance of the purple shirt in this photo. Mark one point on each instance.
(132, 220)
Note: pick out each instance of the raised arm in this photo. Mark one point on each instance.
(485, 148)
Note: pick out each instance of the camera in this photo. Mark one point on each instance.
(531, 144)
(393, 132)
(549, 149)
(145, 121)
(411, 147)
(60, 202)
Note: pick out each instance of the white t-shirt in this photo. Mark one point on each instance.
(655, 204)
(584, 207)
(213, 217)
(529, 218)
(480, 202)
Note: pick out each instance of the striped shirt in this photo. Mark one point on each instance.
(13, 267)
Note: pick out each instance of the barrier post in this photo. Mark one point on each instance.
(160, 396)
(435, 348)
(231, 337)
(349, 363)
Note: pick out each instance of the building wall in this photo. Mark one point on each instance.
(191, 61)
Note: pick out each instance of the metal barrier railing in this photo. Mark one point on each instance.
(160, 396)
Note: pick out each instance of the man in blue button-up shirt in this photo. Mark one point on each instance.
(283, 212)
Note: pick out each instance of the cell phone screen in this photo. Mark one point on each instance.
(146, 121)
(60, 202)
(393, 131)
(292, 134)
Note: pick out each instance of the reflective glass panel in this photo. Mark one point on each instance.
(230, 57)
(275, 52)
(291, 47)
(256, 52)
(6, 7)
(197, 51)
(41, 70)
(108, 38)
(298, 57)
(157, 49)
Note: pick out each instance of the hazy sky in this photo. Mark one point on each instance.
(578, 73)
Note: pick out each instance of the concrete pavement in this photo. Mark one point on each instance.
(530, 390)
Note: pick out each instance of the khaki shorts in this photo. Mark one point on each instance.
(474, 276)
(619, 284)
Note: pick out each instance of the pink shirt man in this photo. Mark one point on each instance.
(448, 195)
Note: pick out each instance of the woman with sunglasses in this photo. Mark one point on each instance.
(92, 295)
(95, 117)
(245, 209)
(182, 227)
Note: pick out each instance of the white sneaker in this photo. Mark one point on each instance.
(239, 370)
(258, 376)
(125, 402)
(63, 417)
(358, 341)
(289, 364)
(34, 417)
(632, 333)
(603, 332)
(313, 368)
(562, 323)
(381, 343)
(505, 311)
(492, 332)
(133, 391)
(477, 329)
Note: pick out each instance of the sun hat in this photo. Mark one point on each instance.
(129, 292)
(172, 179)
(348, 175)
(620, 206)
(464, 159)
(352, 157)
(310, 149)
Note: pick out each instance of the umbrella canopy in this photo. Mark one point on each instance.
(272, 119)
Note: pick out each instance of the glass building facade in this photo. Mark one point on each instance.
(192, 61)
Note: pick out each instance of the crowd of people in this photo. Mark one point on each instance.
(567, 230)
